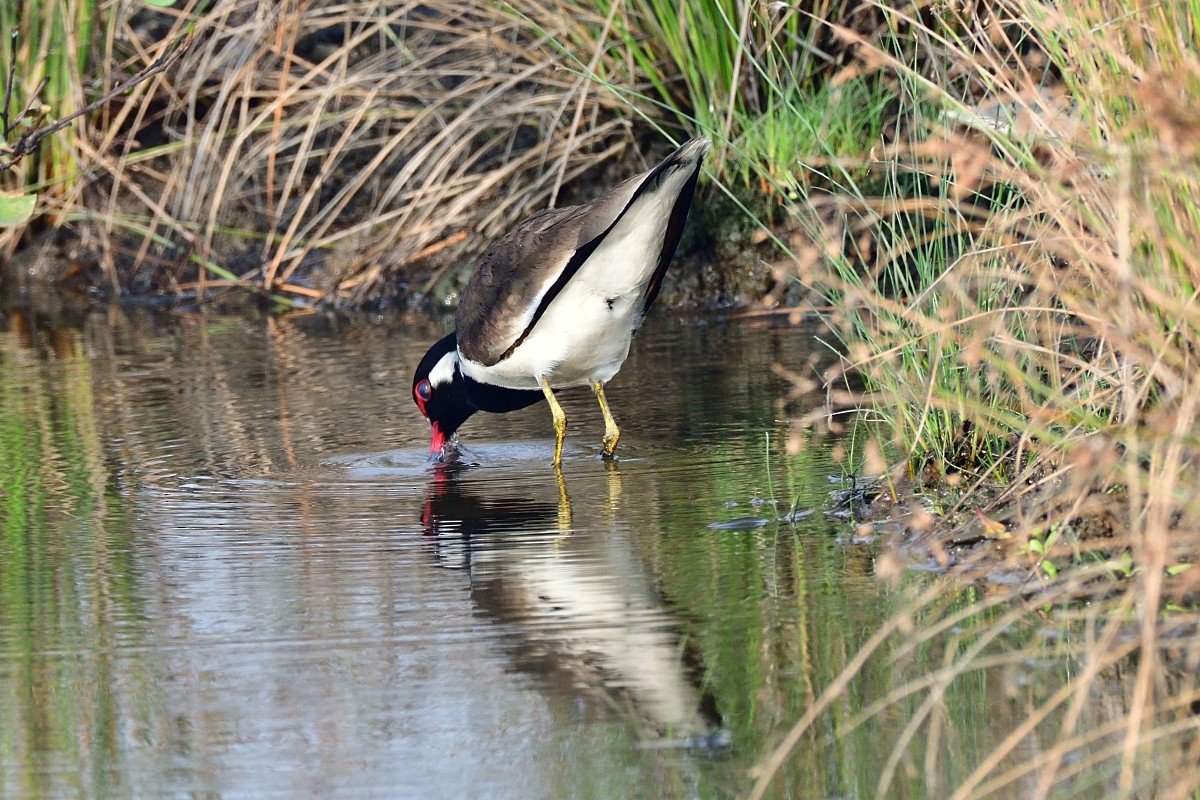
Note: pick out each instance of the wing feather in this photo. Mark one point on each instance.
(527, 268)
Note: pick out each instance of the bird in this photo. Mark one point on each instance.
(555, 303)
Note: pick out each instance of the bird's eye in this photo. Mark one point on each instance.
(424, 390)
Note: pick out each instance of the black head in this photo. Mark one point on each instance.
(439, 392)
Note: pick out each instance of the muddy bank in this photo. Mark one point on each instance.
(723, 262)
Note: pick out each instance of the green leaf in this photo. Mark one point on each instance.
(1049, 568)
(159, 3)
(16, 209)
(1178, 568)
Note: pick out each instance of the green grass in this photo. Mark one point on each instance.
(801, 137)
(752, 79)
(47, 58)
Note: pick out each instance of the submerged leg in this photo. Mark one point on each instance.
(560, 419)
(611, 432)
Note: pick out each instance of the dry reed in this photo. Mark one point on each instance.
(314, 151)
(1028, 320)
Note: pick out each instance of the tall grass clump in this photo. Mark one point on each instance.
(365, 153)
(346, 142)
(317, 153)
(756, 78)
(44, 49)
(1020, 297)
(1031, 274)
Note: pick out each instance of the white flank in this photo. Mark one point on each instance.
(584, 334)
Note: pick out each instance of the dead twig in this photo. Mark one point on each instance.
(29, 140)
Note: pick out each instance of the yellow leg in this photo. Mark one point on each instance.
(612, 433)
(560, 419)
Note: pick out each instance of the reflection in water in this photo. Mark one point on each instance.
(601, 634)
(227, 570)
(454, 512)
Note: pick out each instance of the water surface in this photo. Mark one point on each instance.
(227, 570)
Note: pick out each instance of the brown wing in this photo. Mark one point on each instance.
(503, 297)
(526, 269)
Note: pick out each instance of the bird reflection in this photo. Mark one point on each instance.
(589, 623)
(450, 464)
(450, 510)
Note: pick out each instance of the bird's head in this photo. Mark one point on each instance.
(439, 392)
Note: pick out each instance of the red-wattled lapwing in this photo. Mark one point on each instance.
(555, 303)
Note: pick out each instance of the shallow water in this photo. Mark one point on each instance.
(228, 570)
